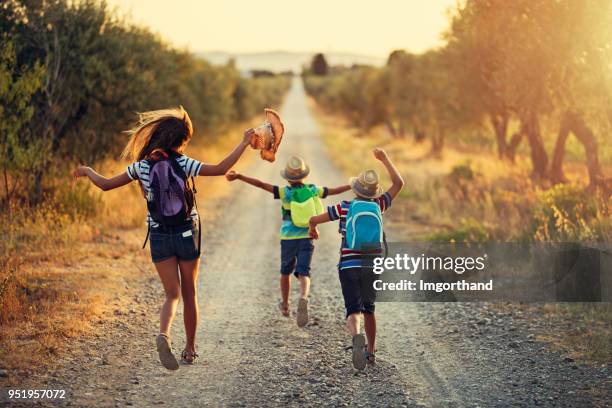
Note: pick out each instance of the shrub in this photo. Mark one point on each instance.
(469, 230)
(570, 213)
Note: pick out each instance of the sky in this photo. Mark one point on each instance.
(359, 26)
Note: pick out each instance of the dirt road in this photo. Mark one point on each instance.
(429, 355)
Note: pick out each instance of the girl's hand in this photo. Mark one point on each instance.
(81, 171)
(231, 175)
(380, 154)
(248, 136)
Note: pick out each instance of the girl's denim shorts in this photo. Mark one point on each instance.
(180, 242)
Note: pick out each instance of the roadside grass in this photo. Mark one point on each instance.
(588, 337)
(468, 195)
(78, 256)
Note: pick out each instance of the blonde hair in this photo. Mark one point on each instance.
(164, 129)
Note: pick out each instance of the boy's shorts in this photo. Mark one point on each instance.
(356, 300)
(296, 255)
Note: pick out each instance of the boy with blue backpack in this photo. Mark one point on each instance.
(360, 224)
(299, 202)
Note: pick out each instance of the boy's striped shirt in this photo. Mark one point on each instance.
(140, 171)
(350, 258)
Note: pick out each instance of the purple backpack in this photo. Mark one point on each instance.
(170, 199)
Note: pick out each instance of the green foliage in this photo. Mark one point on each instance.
(462, 172)
(17, 85)
(75, 201)
(358, 93)
(74, 74)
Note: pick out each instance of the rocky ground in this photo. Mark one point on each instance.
(428, 354)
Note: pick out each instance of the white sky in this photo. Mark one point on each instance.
(358, 26)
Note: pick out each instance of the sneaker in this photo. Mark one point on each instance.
(165, 353)
(302, 313)
(359, 352)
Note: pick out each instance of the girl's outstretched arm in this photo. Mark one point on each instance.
(100, 181)
(314, 221)
(338, 190)
(224, 165)
(232, 175)
(397, 183)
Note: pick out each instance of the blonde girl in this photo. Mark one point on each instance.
(164, 135)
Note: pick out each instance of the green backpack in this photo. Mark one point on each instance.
(304, 203)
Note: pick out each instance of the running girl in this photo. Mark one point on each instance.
(156, 147)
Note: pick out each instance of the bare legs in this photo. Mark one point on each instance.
(304, 286)
(168, 271)
(353, 325)
(189, 274)
(285, 286)
(369, 324)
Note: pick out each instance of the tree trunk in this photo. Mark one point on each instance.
(515, 140)
(437, 142)
(38, 189)
(7, 196)
(391, 128)
(556, 168)
(539, 158)
(500, 125)
(574, 122)
(402, 128)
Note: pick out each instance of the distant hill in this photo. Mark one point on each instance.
(278, 61)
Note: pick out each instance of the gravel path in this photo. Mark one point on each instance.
(429, 354)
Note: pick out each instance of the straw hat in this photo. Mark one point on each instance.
(275, 121)
(366, 184)
(295, 170)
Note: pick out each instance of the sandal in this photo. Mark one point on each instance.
(284, 309)
(370, 358)
(165, 352)
(188, 357)
(302, 312)
(359, 352)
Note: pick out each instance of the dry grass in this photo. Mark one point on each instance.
(50, 256)
(581, 331)
(587, 330)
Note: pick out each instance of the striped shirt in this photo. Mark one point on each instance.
(140, 171)
(350, 258)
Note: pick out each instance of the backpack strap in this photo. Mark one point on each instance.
(195, 204)
(147, 237)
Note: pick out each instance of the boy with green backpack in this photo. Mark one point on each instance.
(299, 203)
(360, 224)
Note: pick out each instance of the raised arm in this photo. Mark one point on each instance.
(338, 190)
(232, 175)
(224, 165)
(396, 178)
(100, 181)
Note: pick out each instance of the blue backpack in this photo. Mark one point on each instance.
(364, 226)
